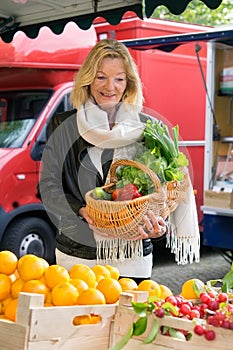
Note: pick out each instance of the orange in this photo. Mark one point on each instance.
(84, 273)
(64, 294)
(91, 296)
(95, 319)
(11, 310)
(55, 274)
(31, 267)
(98, 278)
(79, 284)
(127, 284)
(22, 258)
(13, 277)
(46, 264)
(101, 270)
(16, 287)
(115, 273)
(8, 262)
(35, 286)
(110, 288)
(5, 286)
(192, 288)
(4, 302)
(86, 319)
(165, 291)
(151, 287)
(48, 298)
(82, 319)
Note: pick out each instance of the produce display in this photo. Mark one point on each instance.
(81, 285)
(160, 153)
(208, 307)
(203, 304)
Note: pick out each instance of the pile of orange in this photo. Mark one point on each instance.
(81, 285)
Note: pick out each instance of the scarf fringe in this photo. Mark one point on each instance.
(117, 249)
(185, 248)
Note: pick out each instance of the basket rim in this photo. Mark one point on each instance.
(138, 199)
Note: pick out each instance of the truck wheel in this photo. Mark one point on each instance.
(30, 236)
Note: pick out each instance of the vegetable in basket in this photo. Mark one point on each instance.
(127, 192)
(161, 144)
(162, 156)
(99, 193)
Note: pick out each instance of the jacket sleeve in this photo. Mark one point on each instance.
(62, 202)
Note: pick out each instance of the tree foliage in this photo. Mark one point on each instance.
(198, 13)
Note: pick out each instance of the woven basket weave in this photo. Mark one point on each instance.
(120, 218)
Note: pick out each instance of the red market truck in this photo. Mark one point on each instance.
(35, 82)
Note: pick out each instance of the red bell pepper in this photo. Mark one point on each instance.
(125, 193)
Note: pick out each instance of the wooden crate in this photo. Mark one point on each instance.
(125, 315)
(218, 199)
(51, 328)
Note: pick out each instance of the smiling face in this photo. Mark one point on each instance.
(110, 82)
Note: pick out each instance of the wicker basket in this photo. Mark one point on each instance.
(120, 218)
(176, 192)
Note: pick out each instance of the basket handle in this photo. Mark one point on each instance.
(148, 171)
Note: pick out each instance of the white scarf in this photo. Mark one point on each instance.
(94, 127)
(183, 237)
(124, 137)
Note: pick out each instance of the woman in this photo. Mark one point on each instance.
(82, 144)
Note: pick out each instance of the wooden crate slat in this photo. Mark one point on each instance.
(13, 336)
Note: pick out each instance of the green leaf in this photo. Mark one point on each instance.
(198, 287)
(153, 332)
(176, 334)
(171, 308)
(140, 326)
(165, 329)
(228, 281)
(124, 340)
(140, 308)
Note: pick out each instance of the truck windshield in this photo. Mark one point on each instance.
(19, 111)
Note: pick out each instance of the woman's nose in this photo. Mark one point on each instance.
(109, 84)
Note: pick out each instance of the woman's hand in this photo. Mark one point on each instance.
(83, 212)
(154, 226)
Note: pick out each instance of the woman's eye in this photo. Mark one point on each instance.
(100, 77)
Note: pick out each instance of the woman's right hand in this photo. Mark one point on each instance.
(83, 213)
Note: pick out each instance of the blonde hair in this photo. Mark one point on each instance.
(87, 73)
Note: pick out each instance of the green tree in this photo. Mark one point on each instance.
(198, 13)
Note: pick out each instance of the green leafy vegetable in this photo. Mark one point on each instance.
(162, 156)
(153, 332)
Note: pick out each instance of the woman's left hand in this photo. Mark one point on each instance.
(154, 226)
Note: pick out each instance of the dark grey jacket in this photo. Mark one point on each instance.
(67, 174)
